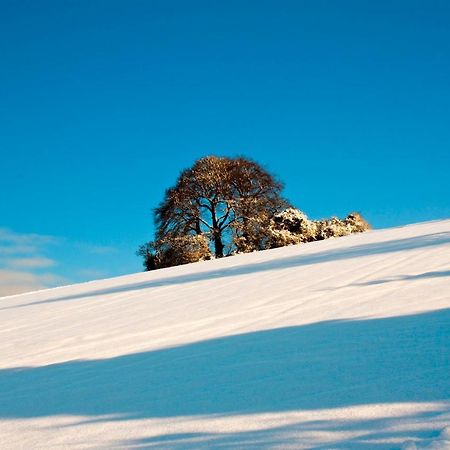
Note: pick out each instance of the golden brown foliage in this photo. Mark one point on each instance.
(228, 201)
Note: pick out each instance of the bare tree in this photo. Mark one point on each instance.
(227, 201)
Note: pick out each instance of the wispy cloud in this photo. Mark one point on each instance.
(23, 263)
(30, 261)
(24, 241)
(16, 282)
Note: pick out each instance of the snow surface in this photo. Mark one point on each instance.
(338, 344)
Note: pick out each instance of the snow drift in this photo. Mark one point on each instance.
(343, 343)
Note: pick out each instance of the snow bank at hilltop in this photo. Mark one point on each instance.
(337, 344)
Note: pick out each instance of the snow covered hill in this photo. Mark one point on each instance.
(338, 344)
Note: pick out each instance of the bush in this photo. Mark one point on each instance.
(175, 251)
(334, 227)
(356, 223)
(297, 223)
(292, 226)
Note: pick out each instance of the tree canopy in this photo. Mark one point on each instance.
(223, 202)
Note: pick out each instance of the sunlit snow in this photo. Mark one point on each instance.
(338, 344)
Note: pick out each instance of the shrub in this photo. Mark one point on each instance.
(292, 226)
(334, 227)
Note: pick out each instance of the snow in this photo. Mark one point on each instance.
(337, 344)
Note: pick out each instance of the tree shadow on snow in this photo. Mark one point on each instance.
(323, 365)
(420, 276)
(368, 434)
(397, 245)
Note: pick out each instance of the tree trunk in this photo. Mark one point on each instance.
(198, 230)
(217, 234)
(218, 244)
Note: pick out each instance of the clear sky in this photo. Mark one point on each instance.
(102, 103)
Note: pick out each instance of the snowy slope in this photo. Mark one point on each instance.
(343, 343)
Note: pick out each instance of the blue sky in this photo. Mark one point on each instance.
(104, 102)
